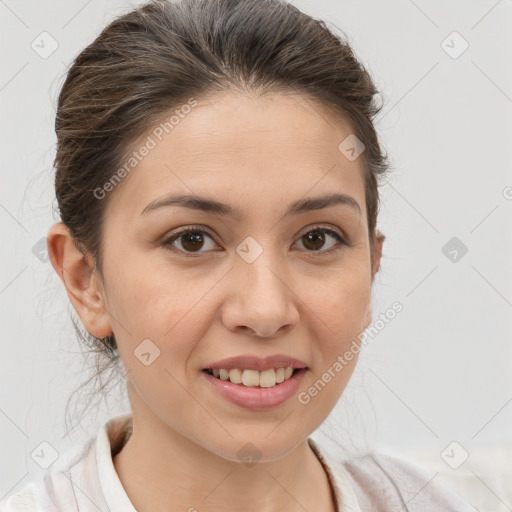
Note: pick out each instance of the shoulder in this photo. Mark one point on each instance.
(53, 489)
(381, 478)
(73, 483)
(22, 500)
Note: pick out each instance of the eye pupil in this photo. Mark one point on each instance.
(193, 237)
(315, 237)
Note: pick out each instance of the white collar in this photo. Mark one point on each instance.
(115, 496)
(346, 499)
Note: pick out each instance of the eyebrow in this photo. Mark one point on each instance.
(208, 205)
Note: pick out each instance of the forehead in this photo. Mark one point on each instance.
(239, 147)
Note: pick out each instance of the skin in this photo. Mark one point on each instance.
(260, 155)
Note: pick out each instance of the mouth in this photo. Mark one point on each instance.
(253, 389)
(253, 378)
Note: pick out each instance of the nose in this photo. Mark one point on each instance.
(261, 300)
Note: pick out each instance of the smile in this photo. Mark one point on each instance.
(252, 378)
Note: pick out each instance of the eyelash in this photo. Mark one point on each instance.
(167, 242)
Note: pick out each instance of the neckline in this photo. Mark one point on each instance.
(111, 438)
(116, 431)
(344, 494)
(330, 476)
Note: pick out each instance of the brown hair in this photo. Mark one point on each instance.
(156, 57)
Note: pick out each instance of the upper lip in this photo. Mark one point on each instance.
(250, 362)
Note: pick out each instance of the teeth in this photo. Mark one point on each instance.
(235, 376)
(252, 378)
(267, 378)
(249, 377)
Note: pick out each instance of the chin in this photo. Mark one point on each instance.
(252, 449)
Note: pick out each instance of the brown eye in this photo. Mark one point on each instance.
(191, 241)
(314, 240)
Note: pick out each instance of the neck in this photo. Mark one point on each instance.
(164, 471)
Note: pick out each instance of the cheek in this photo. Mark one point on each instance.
(340, 303)
(162, 305)
(337, 314)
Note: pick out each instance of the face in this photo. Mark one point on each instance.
(264, 281)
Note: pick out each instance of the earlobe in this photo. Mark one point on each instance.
(377, 252)
(78, 276)
(367, 318)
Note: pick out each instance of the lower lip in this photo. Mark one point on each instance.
(254, 397)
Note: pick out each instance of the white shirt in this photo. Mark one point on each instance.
(84, 479)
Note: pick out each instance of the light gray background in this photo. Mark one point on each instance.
(438, 373)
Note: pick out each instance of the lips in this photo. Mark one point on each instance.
(255, 398)
(250, 362)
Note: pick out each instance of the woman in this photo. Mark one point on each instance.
(217, 180)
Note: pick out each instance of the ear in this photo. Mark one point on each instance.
(377, 255)
(82, 282)
(377, 252)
